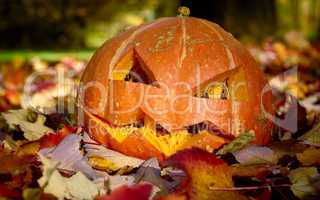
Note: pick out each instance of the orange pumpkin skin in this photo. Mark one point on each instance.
(170, 51)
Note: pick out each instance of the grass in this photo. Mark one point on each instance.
(47, 55)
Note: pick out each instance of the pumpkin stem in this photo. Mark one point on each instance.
(184, 11)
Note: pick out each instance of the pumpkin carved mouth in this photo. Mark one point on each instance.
(172, 84)
(159, 144)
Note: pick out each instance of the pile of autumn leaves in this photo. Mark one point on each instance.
(43, 162)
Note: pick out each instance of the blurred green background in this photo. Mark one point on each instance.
(54, 28)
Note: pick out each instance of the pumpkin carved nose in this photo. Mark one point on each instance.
(176, 110)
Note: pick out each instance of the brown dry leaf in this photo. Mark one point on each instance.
(251, 170)
(28, 149)
(208, 176)
(309, 157)
(9, 163)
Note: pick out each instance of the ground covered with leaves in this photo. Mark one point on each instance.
(45, 155)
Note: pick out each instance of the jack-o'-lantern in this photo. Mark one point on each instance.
(171, 84)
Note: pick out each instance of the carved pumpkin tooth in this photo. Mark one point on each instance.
(152, 60)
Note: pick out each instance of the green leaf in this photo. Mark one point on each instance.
(77, 186)
(31, 193)
(301, 181)
(32, 130)
(239, 143)
(312, 136)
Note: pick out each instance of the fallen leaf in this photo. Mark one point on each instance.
(14, 164)
(135, 192)
(69, 156)
(7, 192)
(31, 131)
(31, 194)
(150, 172)
(28, 148)
(309, 157)
(207, 176)
(310, 103)
(108, 160)
(52, 139)
(255, 155)
(258, 171)
(100, 163)
(173, 197)
(9, 143)
(238, 143)
(312, 137)
(289, 147)
(115, 181)
(301, 181)
(77, 186)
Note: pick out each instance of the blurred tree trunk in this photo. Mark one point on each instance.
(214, 10)
(256, 18)
(241, 17)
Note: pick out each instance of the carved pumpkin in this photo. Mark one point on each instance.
(171, 84)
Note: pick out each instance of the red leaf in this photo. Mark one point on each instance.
(5, 191)
(135, 192)
(207, 175)
(53, 139)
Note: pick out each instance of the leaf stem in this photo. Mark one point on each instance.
(248, 188)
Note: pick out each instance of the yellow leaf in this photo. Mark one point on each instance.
(29, 148)
(310, 156)
(102, 164)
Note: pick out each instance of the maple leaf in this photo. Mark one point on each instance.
(301, 182)
(69, 155)
(77, 186)
(207, 175)
(31, 130)
(26, 148)
(135, 192)
(238, 143)
(309, 157)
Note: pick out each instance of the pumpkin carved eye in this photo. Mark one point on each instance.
(131, 68)
(231, 85)
(217, 91)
